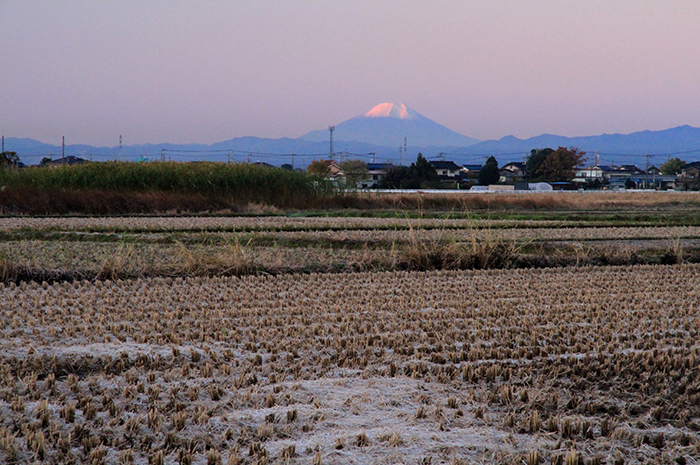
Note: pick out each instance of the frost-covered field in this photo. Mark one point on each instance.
(578, 365)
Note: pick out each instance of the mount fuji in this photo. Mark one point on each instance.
(387, 124)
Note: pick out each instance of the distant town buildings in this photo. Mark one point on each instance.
(624, 176)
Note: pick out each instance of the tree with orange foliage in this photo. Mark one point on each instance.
(319, 168)
(560, 165)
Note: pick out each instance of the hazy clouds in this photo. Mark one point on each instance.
(185, 71)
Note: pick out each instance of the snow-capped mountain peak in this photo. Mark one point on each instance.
(390, 110)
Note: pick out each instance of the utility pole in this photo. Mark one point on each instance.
(292, 162)
(162, 154)
(402, 151)
(331, 129)
(120, 148)
(63, 151)
(373, 157)
(647, 172)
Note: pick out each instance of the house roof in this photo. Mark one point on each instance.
(632, 168)
(597, 167)
(515, 164)
(445, 165)
(266, 165)
(68, 160)
(379, 166)
(473, 167)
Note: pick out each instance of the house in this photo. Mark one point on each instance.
(518, 168)
(622, 176)
(690, 175)
(653, 179)
(662, 181)
(334, 169)
(375, 173)
(513, 172)
(447, 170)
(471, 171)
(67, 160)
(264, 165)
(690, 171)
(626, 171)
(600, 173)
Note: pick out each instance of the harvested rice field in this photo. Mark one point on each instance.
(70, 248)
(567, 335)
(571, 365)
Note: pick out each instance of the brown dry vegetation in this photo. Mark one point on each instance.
(62, 201)
(611, 201)
(579, 365)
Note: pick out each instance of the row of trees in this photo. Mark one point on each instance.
(543, 165)
(419, 175)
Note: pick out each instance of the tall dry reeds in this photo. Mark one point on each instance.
(8, 269)
(482, 251)
(230, 259)
(117, 187)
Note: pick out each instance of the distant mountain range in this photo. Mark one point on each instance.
(682, 142)
(379, 135)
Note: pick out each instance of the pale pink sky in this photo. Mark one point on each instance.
(206, 71)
